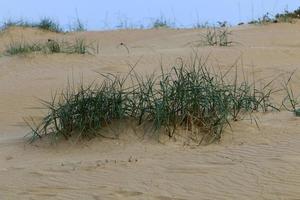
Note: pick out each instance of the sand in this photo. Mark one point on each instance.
(248, 163)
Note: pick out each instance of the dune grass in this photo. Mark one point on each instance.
(45, 23)
(15, 48)
(189, 96)
(285, 17)
(81, 46)
(49, 25)
(78, 46)
(291, 102)
(288, 16)
(161, 22)
(216, 36)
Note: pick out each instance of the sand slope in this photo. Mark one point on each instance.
(249, 163)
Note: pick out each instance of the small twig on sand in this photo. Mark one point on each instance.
(125, 46)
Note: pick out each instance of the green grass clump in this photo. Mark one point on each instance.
(81, 46)
(265, 19)
(288, 16)
(15, 48)
(161, 23)
(188, 96)
(48, 25)
(216, 36)
(83, 110)
(78, 46)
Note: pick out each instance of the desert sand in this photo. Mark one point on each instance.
(248, 163)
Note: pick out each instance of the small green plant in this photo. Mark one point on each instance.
(291, 102)
(161, 23)
(216, 36)
(81, 46)
(265, 19)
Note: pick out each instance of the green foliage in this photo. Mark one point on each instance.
(48, 25)
(78, 46)
(216, 36)
(161, 23)
(15, 48)
(19, 23)
(286, 17)
(188, 96)
(45, 24)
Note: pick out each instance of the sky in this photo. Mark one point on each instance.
(108, 14)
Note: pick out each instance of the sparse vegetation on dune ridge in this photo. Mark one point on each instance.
(285, 17)
(190, 96)
(48, 24)
(78, 46)
(162, 22)
(44, 24)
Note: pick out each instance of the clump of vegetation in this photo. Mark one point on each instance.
(216, 36)
(286, 17)
(161, 23)
(265, 19)
(15, 48)
(48, 25)
(79, 46)
(189, 96)
(44, 24)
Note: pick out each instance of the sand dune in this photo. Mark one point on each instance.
(248, 163)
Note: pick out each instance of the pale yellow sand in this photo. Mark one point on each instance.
(248, 163)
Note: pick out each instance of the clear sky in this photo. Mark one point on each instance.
(99, 14)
